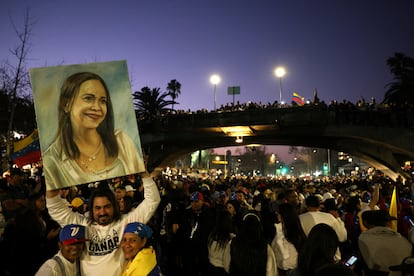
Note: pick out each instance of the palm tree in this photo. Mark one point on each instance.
(174, 89)
(151, 104)
(401, 91)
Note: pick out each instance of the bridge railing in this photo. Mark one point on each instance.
(291, 116)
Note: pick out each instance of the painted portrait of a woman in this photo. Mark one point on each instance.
(87, 146)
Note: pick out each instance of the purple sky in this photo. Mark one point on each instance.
(338, 47)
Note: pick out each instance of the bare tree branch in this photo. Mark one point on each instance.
(17, 77)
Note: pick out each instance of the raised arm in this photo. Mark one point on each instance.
(52, 193)
(375, 197)
(146, 209)
(59, 209)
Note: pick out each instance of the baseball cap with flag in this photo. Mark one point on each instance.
(196, 196)
(72, 233)
(139, 229)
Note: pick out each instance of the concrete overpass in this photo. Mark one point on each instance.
(383, 138)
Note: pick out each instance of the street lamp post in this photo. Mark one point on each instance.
(280, 72)
(215, 79)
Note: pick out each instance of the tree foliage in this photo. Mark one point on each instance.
(401, 90)
(308, 159)
(174, 89)
(25, 120)
(254, 158)
(151, 103)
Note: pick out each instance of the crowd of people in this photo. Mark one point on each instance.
(163, 224)
(345, 110)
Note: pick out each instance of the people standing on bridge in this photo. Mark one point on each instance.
(105, 224)
(87, 147)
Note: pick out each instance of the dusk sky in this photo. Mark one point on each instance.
(338, 47)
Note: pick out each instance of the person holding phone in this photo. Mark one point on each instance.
(351, 261)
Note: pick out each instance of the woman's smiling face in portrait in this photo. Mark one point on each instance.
(89, 107)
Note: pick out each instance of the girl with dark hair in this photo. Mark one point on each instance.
(289, 238)
(87, 147)
(318, 250)
(248, 253)
(233, 207)
(218, 239)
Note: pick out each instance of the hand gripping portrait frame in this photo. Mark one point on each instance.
(60, 169)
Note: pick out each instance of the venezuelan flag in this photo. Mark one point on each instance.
(298, 99)
(27, 150)
(393, 211)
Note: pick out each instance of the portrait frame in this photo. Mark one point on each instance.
(46, 85)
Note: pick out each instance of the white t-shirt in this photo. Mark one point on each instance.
(310, 219)
(285, 252)
(51, 267)
(216, 254)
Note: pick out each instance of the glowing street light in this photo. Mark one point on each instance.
(280, 72)
(215, 79)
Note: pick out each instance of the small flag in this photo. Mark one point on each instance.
(27, 150)
(298, 99)
(393, 209)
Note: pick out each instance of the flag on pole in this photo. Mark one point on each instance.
(27, 150)
(315, 96)
(298, 99)
(393, 211)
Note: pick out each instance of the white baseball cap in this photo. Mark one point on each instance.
(129, 188)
